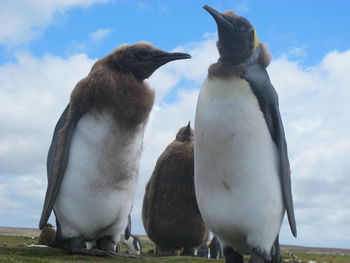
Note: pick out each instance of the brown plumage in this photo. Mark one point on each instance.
(115, 85)
(47, 236)
(130, 98)
(170, 213)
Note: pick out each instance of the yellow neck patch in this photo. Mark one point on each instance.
(256, 40)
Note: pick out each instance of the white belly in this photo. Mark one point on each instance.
(131, 249)
(236, 167)
(97, 191)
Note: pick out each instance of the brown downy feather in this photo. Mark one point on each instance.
(264, 56)
(170, 213)
(225, 70)
(129, 99)
(47, 236)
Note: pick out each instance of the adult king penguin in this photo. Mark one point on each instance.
(93, 159)
(169, 212)
(242, 174)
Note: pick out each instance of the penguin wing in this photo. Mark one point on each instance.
(266, 94)
(57, 161)
(127, 232)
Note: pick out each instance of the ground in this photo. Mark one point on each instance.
(14, 248)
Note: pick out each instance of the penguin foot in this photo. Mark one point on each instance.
(259, 256)
(232, 256)
(256, 259)
(91, 252)
(69, 243)
(276, 252)
(164, 252)
(98, 253)
(106, 243)
(188, 251)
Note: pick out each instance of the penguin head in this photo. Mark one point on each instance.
(141, 59)
(237, 37)
(185, 133)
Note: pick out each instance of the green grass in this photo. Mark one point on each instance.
(305, 257)
(13, 249)
(43, 255)
(15, 241)
(16, 251)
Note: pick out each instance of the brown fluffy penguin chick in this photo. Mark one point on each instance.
(47, 236)
(170, 213)
(93, 160)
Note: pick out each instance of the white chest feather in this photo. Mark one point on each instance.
(134, 249)
(98, 187)
(236, 166)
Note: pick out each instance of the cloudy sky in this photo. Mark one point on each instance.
(47, 46)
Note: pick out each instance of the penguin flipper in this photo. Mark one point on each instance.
(266, 94)
(57, 160)
(127, 231)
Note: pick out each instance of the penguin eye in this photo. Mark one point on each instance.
(243, 27)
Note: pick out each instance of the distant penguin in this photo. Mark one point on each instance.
(93, 159)
(170, 214)
(242, 174)
(134, 245)
(203, 251)
(215, 248)
(47, 236)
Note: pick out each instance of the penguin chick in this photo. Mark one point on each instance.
(47, 236)
(93, 159)
(134, 245)
(170, 214)
(242, 173)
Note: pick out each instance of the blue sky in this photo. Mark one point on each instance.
(317, 26)
(47, 46)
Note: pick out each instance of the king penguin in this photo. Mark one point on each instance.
(242, 173)
(93, 160)
(170, 213)
(134, 244)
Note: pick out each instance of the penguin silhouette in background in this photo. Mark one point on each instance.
(93, 159)
(170, 214)
(242, 173)
(215, 248)
(131, 241)
(134, 245)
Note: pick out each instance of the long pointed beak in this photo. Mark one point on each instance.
(187, 131)
(167, 57)
(221, 21)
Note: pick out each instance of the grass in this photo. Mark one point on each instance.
(305, 257)
(14, 249)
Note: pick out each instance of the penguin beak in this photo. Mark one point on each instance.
(226, 30)
(166, 57)
(220, 19)
(187, 131)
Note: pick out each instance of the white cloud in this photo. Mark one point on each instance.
(95, 38)
(242, 6)
(316, 114)
(313, 103)
(203, 54)
(33, 93)
(100, 34)
(25, 20)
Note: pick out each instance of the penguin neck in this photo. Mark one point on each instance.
(128, 99)
(225, 69)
